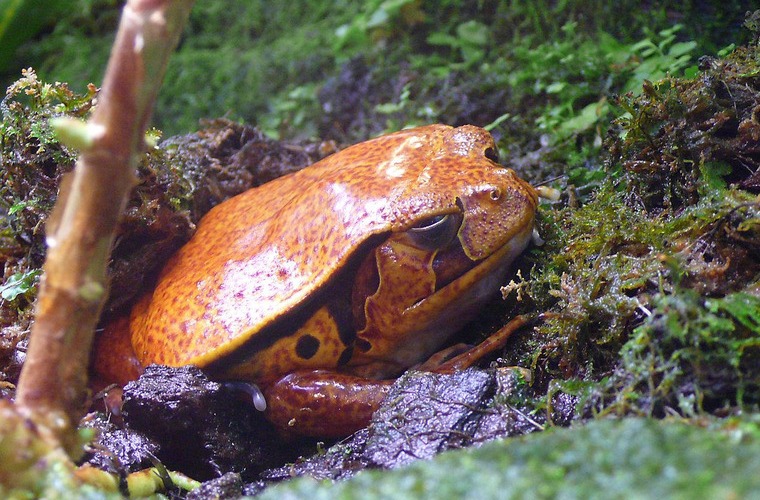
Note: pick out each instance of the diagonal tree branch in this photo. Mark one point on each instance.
(52, 385)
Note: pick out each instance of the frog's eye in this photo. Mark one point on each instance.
(492, 154)
(435, 232)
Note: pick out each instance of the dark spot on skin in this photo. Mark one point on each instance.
(307, 346)
(345, 356)
(340, 311)
(492, 154)
(363, 345)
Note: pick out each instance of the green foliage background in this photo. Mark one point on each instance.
(264, 62)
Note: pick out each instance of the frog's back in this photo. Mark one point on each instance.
(255, 257)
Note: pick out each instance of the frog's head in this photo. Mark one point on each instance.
(459, 224)
(464, 187)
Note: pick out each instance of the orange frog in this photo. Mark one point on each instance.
(321, 286)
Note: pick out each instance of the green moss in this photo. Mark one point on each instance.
(33, 159)
(691, 355)
(650, 284)
(604, 459)
(246, 59)
(233, 60)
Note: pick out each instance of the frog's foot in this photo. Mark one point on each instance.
(323, 404)
(441, 357)
(471, 356)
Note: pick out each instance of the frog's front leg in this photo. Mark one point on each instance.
(328, 404)
(322, 403)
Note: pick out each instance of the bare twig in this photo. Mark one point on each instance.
(52, 385)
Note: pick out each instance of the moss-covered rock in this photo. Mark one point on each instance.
(633, 458)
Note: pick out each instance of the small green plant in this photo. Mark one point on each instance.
(660, 55)
(689, 348)
(32, 156)
(577, 74)
(405, 112)
(375, 22)
(21, 283)
(293, 109)
(471, 41)
(654, 276)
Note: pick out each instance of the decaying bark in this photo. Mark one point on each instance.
(52, 385)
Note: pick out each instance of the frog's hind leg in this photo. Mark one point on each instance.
(114, 360)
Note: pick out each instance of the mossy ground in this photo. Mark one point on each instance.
(652, 282)
(649, 278)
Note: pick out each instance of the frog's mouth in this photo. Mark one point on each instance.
(450, 264)
(453, 262)
(458, 276)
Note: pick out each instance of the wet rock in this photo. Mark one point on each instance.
(424, 414)
(200, 427)
(340, 461)
(504, 416)
(119, 449)
(563, 408)
(228, 486)
(428, 413)
(425, 411)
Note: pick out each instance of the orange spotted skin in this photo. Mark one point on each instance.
(322, 271)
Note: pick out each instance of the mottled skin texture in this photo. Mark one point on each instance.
(314, 283)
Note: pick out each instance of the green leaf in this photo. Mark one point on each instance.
(473, 32)
(18, 207)
(444, 39)
(586, 118)
(20, 284)
(745, 308)
(712, 176)
(681, 48)
(556, 87)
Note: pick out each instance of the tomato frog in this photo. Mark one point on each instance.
(322, 286)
